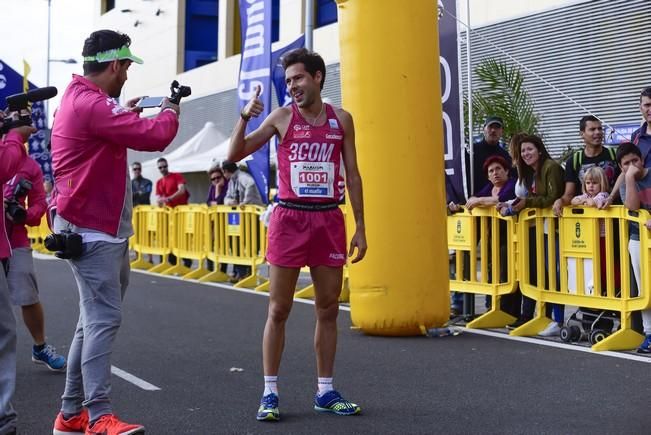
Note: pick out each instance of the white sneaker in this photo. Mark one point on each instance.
(551, 330)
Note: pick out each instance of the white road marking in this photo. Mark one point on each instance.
(530, 340)
(41, 256)
(557, 345)
(141, 383)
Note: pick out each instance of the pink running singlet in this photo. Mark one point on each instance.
(309, 173)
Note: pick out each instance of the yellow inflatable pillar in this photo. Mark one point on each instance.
(390, 80)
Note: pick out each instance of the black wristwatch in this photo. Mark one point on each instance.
(244, 116)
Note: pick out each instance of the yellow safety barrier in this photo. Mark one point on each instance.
(238, 237)
(578, 283)
(308, 291)
(133, 240)
(37, 235)
(152, 236)
(484, 235)
(190, 234)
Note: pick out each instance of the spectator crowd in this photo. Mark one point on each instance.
(596, 176)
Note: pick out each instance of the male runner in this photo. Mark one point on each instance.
(307, 227)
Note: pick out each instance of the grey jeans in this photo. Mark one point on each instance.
(102, 274)
(7, 358)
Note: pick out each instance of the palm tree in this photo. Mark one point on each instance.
(501, 92)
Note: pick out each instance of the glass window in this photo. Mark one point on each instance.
(201, 32)
(108, 5)
(326, 12)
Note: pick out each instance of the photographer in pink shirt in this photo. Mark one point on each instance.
(26, 187)
(90, 138)
(12, 154)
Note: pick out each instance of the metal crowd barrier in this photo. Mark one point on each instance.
(190, 234)
(152, 237)
(236, 236)
(221, 234)
(483, 241)
(307, 292)
(37, 235)
(578, 281)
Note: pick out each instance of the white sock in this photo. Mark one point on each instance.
(270, 385)
(325, 385)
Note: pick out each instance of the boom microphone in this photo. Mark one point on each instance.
(41, 94)
(19, 112)
(19, 101)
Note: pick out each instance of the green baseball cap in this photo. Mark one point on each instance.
(113, 54)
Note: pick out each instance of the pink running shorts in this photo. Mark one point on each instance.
(300, 238)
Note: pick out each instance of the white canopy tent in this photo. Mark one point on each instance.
(193, 159)
(192, 156)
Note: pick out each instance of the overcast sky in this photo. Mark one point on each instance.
(23, 26)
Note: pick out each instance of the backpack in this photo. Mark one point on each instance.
(577, 158)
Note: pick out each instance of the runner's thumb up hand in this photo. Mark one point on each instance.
(255, 106)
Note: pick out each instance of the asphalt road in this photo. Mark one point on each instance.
(185, 337)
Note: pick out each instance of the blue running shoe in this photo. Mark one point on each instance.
(49, 357)
(333, 402)
(268, 410)
(645, 347)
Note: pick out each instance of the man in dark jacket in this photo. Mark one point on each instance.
(482, 150)
(140, 186)
(642, 136)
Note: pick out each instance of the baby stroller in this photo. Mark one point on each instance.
(589, 324)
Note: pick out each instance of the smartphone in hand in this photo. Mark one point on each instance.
(147, 102)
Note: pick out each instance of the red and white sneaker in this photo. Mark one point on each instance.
(75, 426)
(109, 424)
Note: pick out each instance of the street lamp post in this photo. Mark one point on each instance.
(47, 73)
(47, 83)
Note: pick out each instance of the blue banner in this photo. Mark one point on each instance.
(618, 133)
(451, 102)
(255, 70)
(278, 73)
(11, 83)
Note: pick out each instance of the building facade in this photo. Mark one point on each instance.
(589, 57)
(581, 58)
(197, 42)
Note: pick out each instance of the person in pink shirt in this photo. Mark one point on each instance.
(316, 147)
(93, 200)
(12, 154)
(21, 278)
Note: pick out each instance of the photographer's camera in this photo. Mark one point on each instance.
(65, 245)
(14, 210)
(178, 92)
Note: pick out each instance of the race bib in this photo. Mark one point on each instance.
(313, 179)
